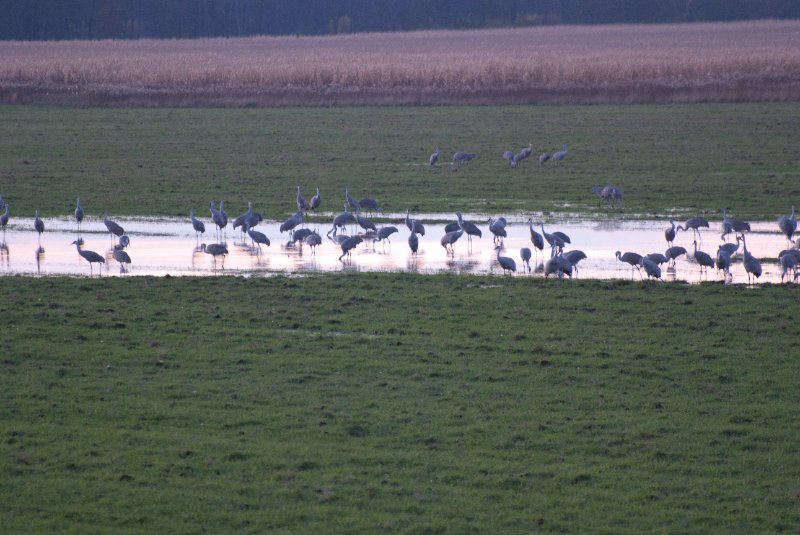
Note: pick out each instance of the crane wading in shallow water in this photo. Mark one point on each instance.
(788, 224)
(215, 250)
(90, 256)
(505, 262)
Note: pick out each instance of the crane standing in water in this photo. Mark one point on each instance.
(90, 256)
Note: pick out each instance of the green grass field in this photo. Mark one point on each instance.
(364, 403)
(373, 402)
(677, 160)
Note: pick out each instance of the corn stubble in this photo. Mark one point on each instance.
(745, 61)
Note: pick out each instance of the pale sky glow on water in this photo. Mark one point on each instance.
(161, 246)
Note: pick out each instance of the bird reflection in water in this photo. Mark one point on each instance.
(462, 266)
(39, 258)
(4, 254)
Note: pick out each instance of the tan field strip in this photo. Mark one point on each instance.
(743, 61)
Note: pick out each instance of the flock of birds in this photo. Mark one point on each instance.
(789, 258)
(514, 158)
(559, 262)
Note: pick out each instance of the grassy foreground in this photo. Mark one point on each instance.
(696, 158)
(397, 403)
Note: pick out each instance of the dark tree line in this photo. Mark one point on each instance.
(132, 19)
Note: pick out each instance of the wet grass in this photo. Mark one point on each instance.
(695, 157)
(397, 403)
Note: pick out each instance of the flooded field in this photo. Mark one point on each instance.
(169, 246)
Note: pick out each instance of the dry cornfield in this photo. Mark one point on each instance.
(722, 62)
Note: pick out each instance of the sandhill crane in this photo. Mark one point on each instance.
(543, 157)
(78, 213)
(312, 240)
(561, 236)
(351, 202)
(555, 240)
(122, 258)
(512, 160)
(215, 250)
(525, 254)
(560, 155)
(470, 228)
(348, 245)
(498, 228)
(198, 226)
(316, 200)
(369, 204)
(789, 263)
(219, 217)
(450, 238)
(573, 257)
(90, 256)
(38, 224)
(732, 225)
(658, 258)
(536, 239)
(418, 227)
(413, 240)
(434, 157)
(301, 202)
(674, 252)
(114, 228)
(341, 220)
(751, 264)
(634, 259)
(731, 248)
(723, 262)
(505, 262)
(385, 232)
(669, 234)
(703, 259)
(258, 238)
(364, 222)
(243, 218)
(254, 219)
(124, 241)
(694, 223)
(223, 213)
(788, 224)
(651, 268)
(613, 196)
(559, 266)
(5, 217)
(292, 222)
(524, 152)
(299, 235)
(791, 252)
(460, 158)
